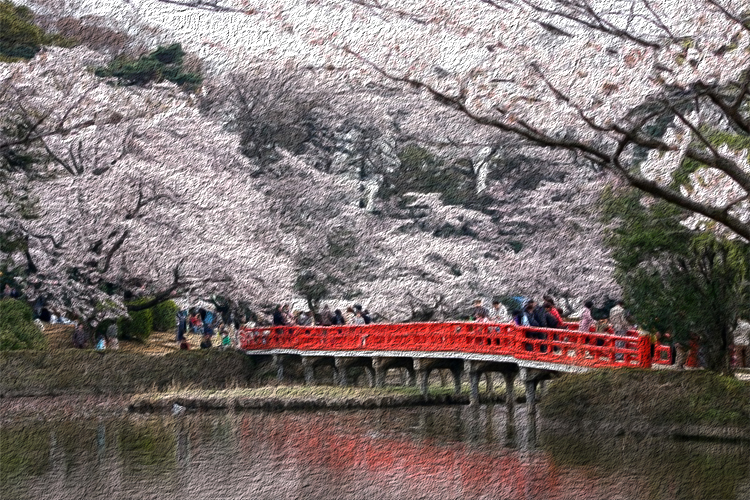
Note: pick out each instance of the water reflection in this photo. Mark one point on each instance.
(451, 452)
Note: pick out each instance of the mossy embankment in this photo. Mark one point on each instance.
(71, 371)
(201, 380)
(648, 399)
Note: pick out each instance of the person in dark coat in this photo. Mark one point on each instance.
(181, 326)
(326, 318)
(338, 318)
(79, 337)
(206, 342)
(278, 316)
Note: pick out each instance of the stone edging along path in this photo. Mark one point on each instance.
(294, 398)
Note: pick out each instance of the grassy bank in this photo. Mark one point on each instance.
(654, 398)
(70, 371)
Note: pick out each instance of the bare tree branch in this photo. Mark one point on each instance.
(115, 247)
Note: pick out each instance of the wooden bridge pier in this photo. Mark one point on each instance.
(478, 368)
(309, 363)
(424, 366)
(279, 360)
(533, 379)
(381, 366)
(344, 363)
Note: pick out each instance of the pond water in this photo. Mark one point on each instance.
(406, 453)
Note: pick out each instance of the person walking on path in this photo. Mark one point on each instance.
(112, 342)
(181, 326)
(79, 337)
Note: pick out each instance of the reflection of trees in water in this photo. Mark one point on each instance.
(430, 452)
(147, 448)
(666, 468)
(23, 453)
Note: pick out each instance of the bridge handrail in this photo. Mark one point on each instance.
(563, 346)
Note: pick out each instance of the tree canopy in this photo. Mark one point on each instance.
(676, 279)
(633, 86)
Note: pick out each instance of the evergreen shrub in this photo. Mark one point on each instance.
(164, 316)
(17, 330)
(138, 327)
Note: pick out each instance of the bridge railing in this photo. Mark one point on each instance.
(563, 346)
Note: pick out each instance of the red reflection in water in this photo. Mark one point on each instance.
(353, 456)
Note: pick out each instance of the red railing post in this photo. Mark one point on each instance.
(644, 351)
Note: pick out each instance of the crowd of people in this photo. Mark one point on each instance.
(528, 312)
(206, 324)
(353, 315)
(531, 313)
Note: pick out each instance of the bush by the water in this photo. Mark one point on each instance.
(164, 316)
(17, 330)
(662, 397)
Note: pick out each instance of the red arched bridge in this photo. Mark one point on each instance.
(477, 348)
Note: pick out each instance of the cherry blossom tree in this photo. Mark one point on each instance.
(655, 94)
(123, 191)
(658, 95)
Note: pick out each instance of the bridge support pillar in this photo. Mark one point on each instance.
(509, 396)
(477, 368)
(309, 363)
(531, 379)
(423, 367)
(278, 362)
(343, 364)
(308, 369)
(381, 366)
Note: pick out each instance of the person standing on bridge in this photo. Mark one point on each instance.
(287, 314)
(551, 316)
(498, 313)
(358, 319)
(620, 325)
(338, 318)
(478, 313)
(349, 316)
(586, 319)
(278, 316)
(549, 306)
(326, 318)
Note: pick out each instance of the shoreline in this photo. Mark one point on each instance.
(304, 398)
